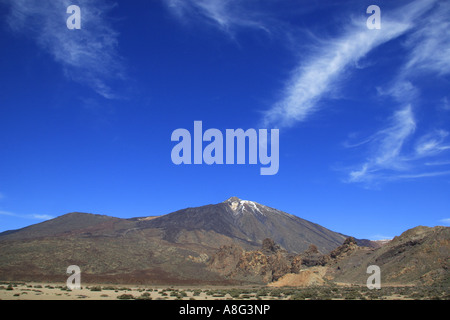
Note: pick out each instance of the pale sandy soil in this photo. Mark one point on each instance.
(305, 278)
(56, 291)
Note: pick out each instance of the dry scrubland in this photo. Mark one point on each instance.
(41, 291)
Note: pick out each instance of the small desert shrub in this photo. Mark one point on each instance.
(262, 293)
(96, 288)
(234, 293)
(125, 289)
(125, 296)
(144, 296)
(109, 288)
(276, 293)
(197, 293)
(300, 296)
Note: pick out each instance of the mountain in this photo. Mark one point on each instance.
(420, 255)
(69, 224)
(232, 242)
(247, 223)
(107, 250)
(171, 248)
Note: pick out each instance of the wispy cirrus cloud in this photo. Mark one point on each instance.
(429, 46)
(88, 56)
(225, 14)
(438, 163)
(409, 155)
(445, 104)
(27, 216)
(41, 216)
(322, 72)
(379, 237)
(386, 146)
(396, 153)
(432, 143)
(445, 221)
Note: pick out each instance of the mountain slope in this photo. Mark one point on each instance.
(250, 223)
(182, 248)
(172, 248)
(68, 224)
(418, 256)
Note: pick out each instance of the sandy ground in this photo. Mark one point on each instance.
(309, 277)
(55, 291)
(58, 291)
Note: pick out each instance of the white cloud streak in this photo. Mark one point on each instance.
(6, 213)
(429, 45)
(41, 216)
(228, 15)
(379, 237)
(419, 175)
(432, 144)
(393, 152)
(316, 77)
(396, 154)
(437, 163)
(386, 146)
(27, 216)
(88, 56)
(401, 154)
(445, 104)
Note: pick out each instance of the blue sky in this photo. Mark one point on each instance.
(86, 116)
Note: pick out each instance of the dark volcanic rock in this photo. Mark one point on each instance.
(260, 266)
(347, 248)
(269, 246)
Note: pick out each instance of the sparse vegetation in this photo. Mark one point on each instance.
(96, 288)
(109, 288)
(125, 296)
(144, 296)
(332, 292)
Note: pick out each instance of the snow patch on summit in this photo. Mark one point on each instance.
(240, 206)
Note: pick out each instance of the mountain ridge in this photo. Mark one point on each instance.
(234, 217)
(250, 222)
(179, 247)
